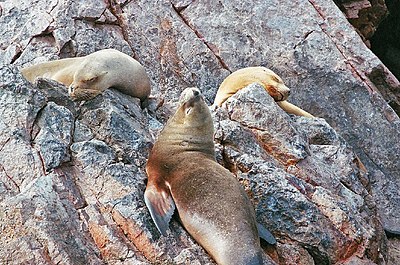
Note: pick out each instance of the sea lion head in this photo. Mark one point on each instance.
(241, 78)
(88, 82)
(191, 128)
(272, 83)
(192, 110)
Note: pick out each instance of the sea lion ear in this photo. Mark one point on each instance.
(161, 207)
(266, 235)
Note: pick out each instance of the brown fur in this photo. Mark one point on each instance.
(212, 205)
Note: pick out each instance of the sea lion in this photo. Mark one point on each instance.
(90, 75)
(272, 83)
(212, 205)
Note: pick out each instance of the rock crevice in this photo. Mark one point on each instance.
(72, 175)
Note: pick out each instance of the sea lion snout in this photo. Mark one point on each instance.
(284, 91)
(189, 94)
(71, 89)
(196, 92)
(78, 94)
(73, 92)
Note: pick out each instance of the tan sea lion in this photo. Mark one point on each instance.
(212, 205)
(90, 75)
(272, 83)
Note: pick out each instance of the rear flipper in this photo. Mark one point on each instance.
(161, 207)
(266, 235)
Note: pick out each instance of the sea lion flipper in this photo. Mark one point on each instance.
(293, 109)
(265, 234)
(161, 207)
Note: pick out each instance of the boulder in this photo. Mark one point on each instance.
(364, 15)
(72, 174)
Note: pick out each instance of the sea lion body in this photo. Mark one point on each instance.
(246, 76)
(212, 205)
(90, 75)
(272, 83)
(60, 70)
(216, 211)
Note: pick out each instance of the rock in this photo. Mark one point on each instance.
(289, 149)
(55, 127)
(323, 186)
(364, 15)
(329, 70)
(385, 42)
(321, 199)
(394, 251)
(49, 228)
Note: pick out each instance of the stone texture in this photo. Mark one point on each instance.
(305, 201)
(54, 137)
(394, 251)
(328, 68)
(72, 174)
(386, 41)
(364, 15)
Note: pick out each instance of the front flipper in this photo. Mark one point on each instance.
(161, 206)
(265, 234)
(293, 109)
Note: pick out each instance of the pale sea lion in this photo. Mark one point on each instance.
(212, 205)
(90, 75)
(272, 83)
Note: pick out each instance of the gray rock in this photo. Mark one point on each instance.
(365, 16)
(310, 200)
(322, 186)
(48, 228)
(275, 132)
(331, 72)
(394, 251)
(54, 136)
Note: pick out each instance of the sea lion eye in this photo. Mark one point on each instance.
(91, 79)
(274, 78)
(188, 111)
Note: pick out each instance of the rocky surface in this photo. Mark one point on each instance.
(386, 41)
(364, 15)
(72, 174)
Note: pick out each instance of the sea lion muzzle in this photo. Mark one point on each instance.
(189, 97)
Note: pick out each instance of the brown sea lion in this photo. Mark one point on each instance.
(272, 83)
(90, 75)
(212, 205)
